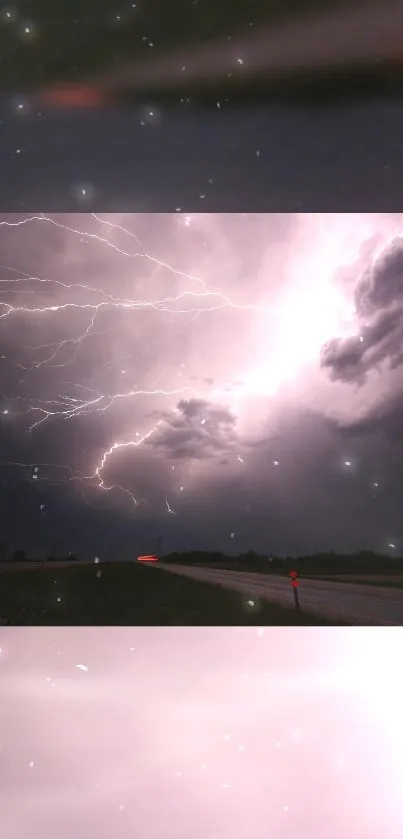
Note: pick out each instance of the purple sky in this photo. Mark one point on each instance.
(224, 381)
(203, 732)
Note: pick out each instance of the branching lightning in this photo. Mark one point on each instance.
(191, 302)
(19, 292)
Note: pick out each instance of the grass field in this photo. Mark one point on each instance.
(126, 594)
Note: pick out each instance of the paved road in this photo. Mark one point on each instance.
(361, 605)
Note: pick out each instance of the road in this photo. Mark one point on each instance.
(362, 605)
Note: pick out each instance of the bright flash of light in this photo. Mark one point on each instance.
(309, 308)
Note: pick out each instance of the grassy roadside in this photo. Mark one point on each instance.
(125, 594)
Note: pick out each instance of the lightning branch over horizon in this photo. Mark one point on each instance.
(66, 406)
(21, 310)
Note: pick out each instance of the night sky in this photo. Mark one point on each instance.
(225, 382)
(218, 141)
(200, 732)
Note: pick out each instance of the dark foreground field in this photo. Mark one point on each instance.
(125, 594)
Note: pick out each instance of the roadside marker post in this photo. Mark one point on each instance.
(295, 584)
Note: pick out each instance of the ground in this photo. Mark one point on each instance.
(126, 594)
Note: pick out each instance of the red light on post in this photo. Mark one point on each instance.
(295, 584)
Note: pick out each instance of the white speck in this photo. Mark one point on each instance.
(96, 560)
(257, 153)
(260, 632)
(31, 764)
(225, 786)
(250, 602)
(59, 599)
(286, 808)
(241, 747)
(276, 462)
(232, 535)
(82, 667)
(240, 60)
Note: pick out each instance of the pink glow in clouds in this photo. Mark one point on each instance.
(204, 733)
(167, 362)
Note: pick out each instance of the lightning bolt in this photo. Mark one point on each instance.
(20, 303)
(78, 399)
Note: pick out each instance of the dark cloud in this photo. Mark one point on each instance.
(379, 307)
(157, 363)
(196, 430)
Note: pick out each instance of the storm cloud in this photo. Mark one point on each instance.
(224, 368)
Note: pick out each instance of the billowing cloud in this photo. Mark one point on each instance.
(224, 367)
(372, 357)
(196, 430)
